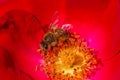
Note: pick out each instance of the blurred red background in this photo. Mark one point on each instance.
(95, 20)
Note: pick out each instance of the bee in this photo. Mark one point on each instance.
(55, 35)
(52, 38)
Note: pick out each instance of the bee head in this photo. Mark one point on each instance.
(44, 45)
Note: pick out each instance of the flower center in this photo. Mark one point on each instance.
(69, 59)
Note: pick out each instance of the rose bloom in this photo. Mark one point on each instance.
(22, 26)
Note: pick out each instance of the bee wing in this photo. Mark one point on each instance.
(54, 21)
(67, 26)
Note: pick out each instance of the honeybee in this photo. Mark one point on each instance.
(52, 37)
(55, 35)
